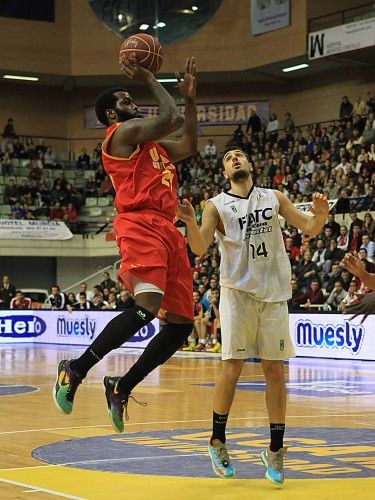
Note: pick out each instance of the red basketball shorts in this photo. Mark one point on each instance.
(153, 251)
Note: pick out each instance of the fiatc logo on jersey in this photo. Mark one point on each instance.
(344, 335)
(21, 326)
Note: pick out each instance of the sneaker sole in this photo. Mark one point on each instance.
(110, 413)
(217, 472)
(266, 475)
(54, 394)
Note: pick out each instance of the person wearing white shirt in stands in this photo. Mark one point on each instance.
(368, 245)
(318, 256)
(343, 165)
(83, 289)
(210, 149)
(272, 126)
(343, 238)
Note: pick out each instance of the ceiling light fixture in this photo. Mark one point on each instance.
(194, 7)
(19, 77)
(295, 68)
(144, 27)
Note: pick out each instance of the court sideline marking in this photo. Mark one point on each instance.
(39, 489)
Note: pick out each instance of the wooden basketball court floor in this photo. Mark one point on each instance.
(163, 454)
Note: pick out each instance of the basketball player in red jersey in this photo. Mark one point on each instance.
(155, 266)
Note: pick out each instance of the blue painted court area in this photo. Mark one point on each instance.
(313, 453)
(12, 389)
(317, 387)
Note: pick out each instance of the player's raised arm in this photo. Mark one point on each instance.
(356, 266)
(199, 238)
(187, 144)
(309, 225)
(139, 130)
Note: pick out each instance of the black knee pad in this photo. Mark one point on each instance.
(178, 331)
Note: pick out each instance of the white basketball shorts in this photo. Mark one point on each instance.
(251, 328)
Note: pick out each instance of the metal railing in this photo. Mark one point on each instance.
(92, 279)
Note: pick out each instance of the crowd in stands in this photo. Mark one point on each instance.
(336, 158)
(107, 295)
(44, 192)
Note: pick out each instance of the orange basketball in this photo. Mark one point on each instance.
(145, 48)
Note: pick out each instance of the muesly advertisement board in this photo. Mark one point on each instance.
(333, 336)
(313, 335)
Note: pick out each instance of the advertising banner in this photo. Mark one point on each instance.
(63, 327)
(269, 15)
(11, 229)
(217, 113)
(342, 38)
(313, 335)
(332, 336)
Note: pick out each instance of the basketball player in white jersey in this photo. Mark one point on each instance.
(255, 286)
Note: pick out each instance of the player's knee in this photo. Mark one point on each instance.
(150, 301)
(273, 370)
(231, 369)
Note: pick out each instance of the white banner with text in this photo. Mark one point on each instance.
(313, 335)
(12, 229)
(344, 38)
(269, 15)
(333, 336)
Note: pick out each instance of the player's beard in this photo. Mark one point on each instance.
(123, 116)
(239, 176)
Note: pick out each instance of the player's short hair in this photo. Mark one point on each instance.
(106, 100)
(235, 147)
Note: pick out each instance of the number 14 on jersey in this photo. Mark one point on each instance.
(258, 251)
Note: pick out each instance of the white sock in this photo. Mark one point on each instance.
(202, 341)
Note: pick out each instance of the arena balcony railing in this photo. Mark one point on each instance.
(341, 17)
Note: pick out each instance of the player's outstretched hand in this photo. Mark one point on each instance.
(188, 85)
(185, 211)
(365, 306)
(352, 263)
(319, 205)
(132, 69)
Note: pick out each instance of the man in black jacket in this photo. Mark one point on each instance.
(7, 292)
(57, 298)
(254, 124)
(332, 254)
(346, 108)
(107, 281)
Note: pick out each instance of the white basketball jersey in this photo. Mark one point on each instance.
(253, 256)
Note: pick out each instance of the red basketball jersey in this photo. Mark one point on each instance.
(147, 180)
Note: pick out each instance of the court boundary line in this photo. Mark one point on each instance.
(185, 421)
(37, 489)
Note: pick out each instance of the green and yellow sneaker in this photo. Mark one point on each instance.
(117, 403)
(66, 385)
